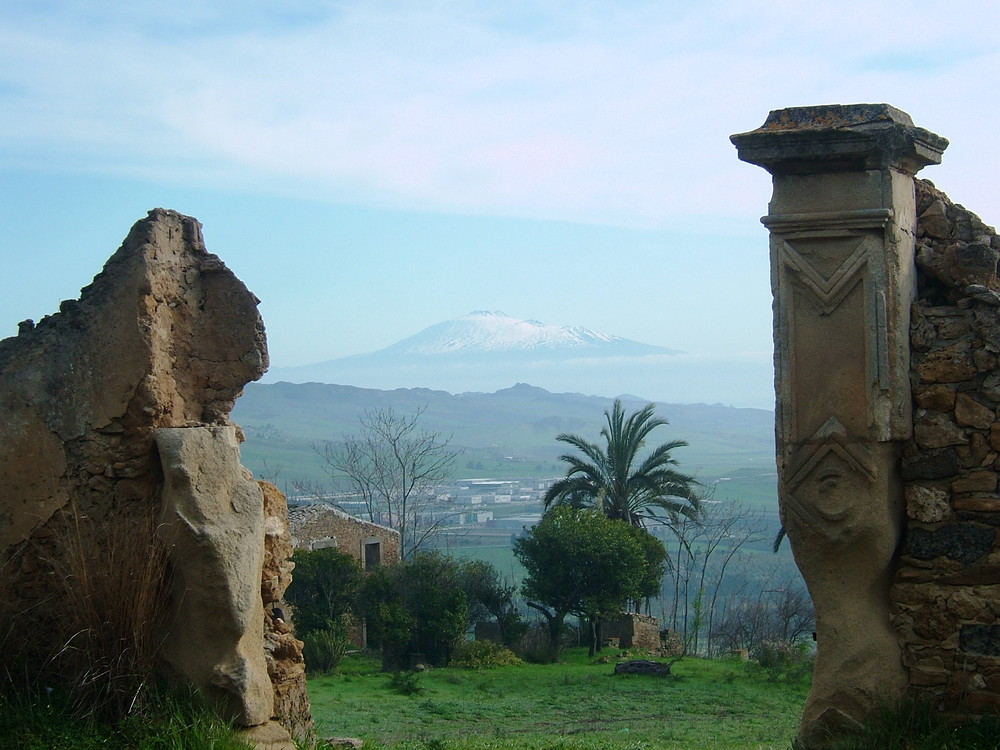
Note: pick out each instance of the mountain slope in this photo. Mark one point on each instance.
(487, 351)
(494, 333)
(512, 430)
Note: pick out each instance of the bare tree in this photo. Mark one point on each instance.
(682, 568)
(733, 527)
(794, 612)
(394, 467)
(700, 561)
(271, 473)
(776, 612)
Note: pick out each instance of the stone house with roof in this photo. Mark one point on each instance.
(324, 526)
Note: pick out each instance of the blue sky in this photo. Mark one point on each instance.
(373, 168)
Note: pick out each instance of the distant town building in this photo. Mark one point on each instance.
(323, 526)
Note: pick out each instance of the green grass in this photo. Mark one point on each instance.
(577, 705)
(920, 727)
(45, 721)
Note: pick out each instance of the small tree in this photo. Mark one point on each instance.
(415, 607)
(582, 563)
(394, 467)
(491, 599)
(323, 589)
(703, 553)
(389, 624)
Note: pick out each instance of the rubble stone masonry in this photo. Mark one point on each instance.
(316, 526)
(946, 594)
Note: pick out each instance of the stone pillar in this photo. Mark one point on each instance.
(842, 219)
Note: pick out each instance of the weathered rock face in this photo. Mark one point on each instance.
(165, 336)
(124, 396)
(212, 516)
(946, 595)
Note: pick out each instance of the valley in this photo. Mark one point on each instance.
(509, 455)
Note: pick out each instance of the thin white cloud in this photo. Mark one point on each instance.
(585, 111)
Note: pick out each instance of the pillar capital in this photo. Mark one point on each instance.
(839, 138)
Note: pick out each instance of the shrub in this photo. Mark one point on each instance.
(483, 655)
(781, 660)
(491, 601)
(416, 607)
(406, 683)
(323, 650)
(325, 586)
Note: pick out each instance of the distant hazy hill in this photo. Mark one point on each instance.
(509, 432)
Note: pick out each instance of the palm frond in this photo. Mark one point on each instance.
(612, 479)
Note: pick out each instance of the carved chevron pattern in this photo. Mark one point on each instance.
(830, 292)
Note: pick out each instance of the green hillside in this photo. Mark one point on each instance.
(510, 433)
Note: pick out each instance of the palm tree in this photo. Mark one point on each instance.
(607, 477)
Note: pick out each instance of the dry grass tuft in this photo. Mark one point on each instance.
(113, 584)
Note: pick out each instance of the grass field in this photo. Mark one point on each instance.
(576, 705)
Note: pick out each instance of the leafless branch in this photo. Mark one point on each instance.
(395, 468)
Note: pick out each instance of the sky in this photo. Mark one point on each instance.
(369, 169)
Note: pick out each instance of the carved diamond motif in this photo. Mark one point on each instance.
(830, 476)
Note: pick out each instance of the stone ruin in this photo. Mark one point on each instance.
(887, 334)
(887, 338)
(117, 408)
(324, 526)
(634, 630)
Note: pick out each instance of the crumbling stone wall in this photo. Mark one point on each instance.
(634, 630)
(946, 595)
(282, 650)
(112, 408)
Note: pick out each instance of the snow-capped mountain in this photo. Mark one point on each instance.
(495, 332)
(487, 351)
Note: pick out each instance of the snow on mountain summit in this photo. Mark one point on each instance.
(484, 331)
(486, 350)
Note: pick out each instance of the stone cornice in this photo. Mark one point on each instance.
(839, 138)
